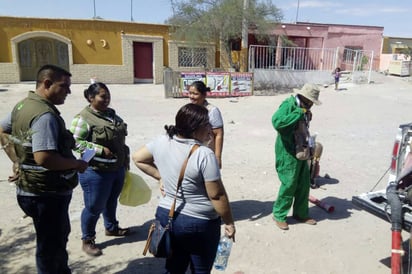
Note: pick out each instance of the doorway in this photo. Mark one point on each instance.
(143, 62)
(36, 52)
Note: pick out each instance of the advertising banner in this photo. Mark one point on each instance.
(219, 83)
(241, 83)
(187, 78)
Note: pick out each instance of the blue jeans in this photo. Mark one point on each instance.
(194, 242)
(101, 191)
(50, 216)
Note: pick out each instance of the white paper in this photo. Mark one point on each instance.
(88, 154)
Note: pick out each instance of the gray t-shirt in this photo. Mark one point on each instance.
(45, 131)
(45, 137)
(215, 117)
(192, 199)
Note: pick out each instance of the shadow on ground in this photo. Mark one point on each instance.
(137, 234)
(342, 209)
(406, 258)
(15, 245)
(145, 265)
(326, 180)
(251, 210)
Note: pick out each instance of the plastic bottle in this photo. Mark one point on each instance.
(223, 252)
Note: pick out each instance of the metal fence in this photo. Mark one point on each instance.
(357, 60)
(290, 66)
(280, 68)
(359, 63)
(171, 80)
(292, 58)
(298, 58)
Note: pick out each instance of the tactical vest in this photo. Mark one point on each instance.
(34, 178)
(109, 131)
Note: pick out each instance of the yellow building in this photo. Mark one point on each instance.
(110, 51)
(396, 57)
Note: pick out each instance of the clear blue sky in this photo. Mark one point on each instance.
(395, 18)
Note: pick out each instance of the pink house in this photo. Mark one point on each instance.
(324, 36)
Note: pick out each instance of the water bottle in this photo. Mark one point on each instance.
(223, 252)
(312, 140)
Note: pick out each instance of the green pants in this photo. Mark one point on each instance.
(295, 184)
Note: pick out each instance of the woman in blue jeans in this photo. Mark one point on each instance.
(98, 127)
(202, 202)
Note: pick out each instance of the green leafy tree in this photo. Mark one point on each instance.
(407, 52)
(221, 21)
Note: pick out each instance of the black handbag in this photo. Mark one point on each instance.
(159, 240)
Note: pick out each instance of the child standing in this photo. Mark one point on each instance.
(336, 74)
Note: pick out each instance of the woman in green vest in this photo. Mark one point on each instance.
(98, 127)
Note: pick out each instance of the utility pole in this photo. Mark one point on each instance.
(245, 39)
(94, 9)
(297, 13)
(131, 10)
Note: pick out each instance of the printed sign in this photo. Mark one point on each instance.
(218, 83)
(187, 78)
(241, 84)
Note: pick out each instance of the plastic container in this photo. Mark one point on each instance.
(223, 253)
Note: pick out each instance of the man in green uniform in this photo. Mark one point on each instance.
(47, 169)
(293, 173)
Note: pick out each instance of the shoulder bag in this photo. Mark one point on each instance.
(159, 237)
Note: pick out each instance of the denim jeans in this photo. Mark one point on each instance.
(194, 242)
(101, 191)
(52, 224)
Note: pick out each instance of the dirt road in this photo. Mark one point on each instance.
(356, 126)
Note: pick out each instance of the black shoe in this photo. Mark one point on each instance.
(118, 232)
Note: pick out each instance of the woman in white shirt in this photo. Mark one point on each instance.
(197, 94)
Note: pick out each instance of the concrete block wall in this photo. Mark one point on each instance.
(279, 79)
(110, 74)
(157, 41)
(9, 73)
(174, 56)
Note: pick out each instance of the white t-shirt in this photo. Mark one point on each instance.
(192, 199)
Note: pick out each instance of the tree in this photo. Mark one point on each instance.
(221, 21)
(407, 52)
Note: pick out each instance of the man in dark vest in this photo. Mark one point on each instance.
(47, 168)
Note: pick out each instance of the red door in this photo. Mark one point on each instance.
(143, 61)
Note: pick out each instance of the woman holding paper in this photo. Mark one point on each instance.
(99, 128)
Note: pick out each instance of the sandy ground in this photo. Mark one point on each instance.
(356, 125)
